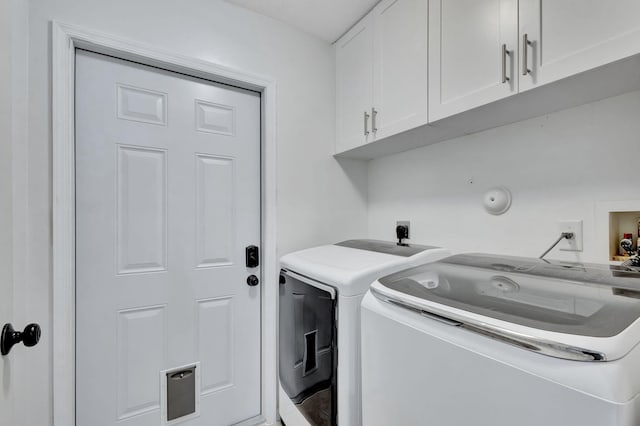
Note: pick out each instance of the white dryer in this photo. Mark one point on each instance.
(321, 289)
(501, 341)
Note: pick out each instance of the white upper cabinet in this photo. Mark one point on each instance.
(473, 51)
(354, 86)
(381, 74)
(570, 36)
(400, 66)
(479, 54)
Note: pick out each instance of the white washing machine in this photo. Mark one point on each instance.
(501, 341)
(321, 289)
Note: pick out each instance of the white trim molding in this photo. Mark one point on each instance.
(65, 40)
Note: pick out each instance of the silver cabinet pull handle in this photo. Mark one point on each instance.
(525, 57)
(366, 123)
(374, 112)
(505, 53)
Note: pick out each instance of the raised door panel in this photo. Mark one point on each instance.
(214, 210)
(570, 36)
(141, 354)
(215, 343)
(354, 85)
(466, 39)
(142, 209)
(400, 66)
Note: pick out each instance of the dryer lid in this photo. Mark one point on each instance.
(573, 299)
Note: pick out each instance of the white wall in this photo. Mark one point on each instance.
(558, 166)
(319, 199)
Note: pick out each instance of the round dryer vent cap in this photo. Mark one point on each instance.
(497, 200)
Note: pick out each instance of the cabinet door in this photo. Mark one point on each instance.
(400, 66)
(354, 86)
(571, 36)
(466, 39)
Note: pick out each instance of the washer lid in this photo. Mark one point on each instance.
(588, 301)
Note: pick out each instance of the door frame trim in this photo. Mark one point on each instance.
(65, 40)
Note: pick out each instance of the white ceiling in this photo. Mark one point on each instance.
(325, 19)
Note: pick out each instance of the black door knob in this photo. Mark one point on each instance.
(252, 280)
(30, 336)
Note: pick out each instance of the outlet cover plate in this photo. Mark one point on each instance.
(407, 224)
(574, 226)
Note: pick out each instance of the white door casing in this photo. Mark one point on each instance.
(65, 40)
(465, 54)
(569, 37)
(167, 198)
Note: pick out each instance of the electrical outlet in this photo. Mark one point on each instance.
(574, 226)
(407, 224)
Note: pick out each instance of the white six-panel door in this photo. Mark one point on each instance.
(167, 199)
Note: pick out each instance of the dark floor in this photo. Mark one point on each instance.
(317, 408)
